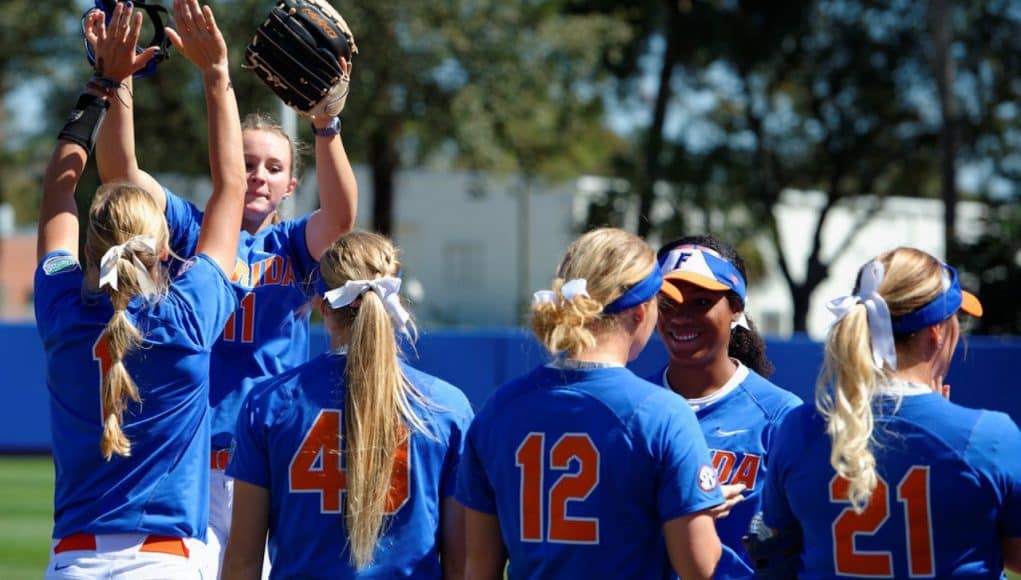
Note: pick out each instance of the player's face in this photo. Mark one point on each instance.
(268, 169)
(645, 328)
(697, 331)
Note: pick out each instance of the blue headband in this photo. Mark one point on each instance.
(637, 294)
(941, 308)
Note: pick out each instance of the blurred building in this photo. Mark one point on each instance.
(475, 247)
(17, 267)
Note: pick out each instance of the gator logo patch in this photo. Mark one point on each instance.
(58, 264)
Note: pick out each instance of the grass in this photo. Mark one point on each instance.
(26, 505)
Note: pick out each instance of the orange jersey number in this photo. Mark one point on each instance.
(316, 466)
(913, 493)
(101, 354)
(573, 452)
(246, 333)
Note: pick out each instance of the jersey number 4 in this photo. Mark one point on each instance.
(316, 466)
(913, 492)
(569, 487)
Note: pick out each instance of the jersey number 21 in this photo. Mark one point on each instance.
(913, 494)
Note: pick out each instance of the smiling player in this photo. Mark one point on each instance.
(580, 469)
(717, 363)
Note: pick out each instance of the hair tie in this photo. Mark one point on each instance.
(108, 264)
(569, 290)
(879, 322)
(388, 289)
(742, 321)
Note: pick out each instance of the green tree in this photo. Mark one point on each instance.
(31, 47)
(504, 86)
(811, 96)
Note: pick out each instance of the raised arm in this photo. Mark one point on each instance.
(338, 190)
(115, 48)
(115, 147)
(58, 215)
(200, 41)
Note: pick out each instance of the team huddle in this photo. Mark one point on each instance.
(195, 435)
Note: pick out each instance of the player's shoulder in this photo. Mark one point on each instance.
(657, 410)
(444, 396)
(773, 399)
(58, 262)
(58, 282)
(802, 422)
(993, 428)
(505, 393)
(280, 233)
(314, 375)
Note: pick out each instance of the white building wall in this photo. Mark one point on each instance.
(459, 238)
(458, 233)
(900, 222)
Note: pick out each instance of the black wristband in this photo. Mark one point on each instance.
(83, 123)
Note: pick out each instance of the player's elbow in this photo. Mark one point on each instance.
(343, 224)
(692, 544)
(704, 562)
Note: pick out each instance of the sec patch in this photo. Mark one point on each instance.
(57, 264)
(707, 479)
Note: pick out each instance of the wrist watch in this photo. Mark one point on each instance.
(328, 131)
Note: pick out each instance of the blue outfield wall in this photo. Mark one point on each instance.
(985, 373)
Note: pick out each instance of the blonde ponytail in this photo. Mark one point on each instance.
(610, 261)
(378, 411)
(120, 213)
(849, 379)
(563, 325)
(847, 408)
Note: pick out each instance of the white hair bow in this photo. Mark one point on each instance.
(880, 325)
(742, 321)
(570, 290)
(108, 265)
(387, 288)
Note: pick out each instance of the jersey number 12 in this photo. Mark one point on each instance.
(569, 487)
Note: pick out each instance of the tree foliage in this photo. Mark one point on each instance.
(837, 96)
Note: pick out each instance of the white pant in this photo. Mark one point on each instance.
(221, 505)
(119, 556)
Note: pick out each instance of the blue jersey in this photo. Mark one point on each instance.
(280, 446)
(582, 468)
(949, 488)
(268, 333)
(162, 487)
(739, 427)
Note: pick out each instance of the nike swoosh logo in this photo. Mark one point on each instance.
(58, 567)
(723, 433)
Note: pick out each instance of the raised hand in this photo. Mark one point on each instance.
(197, 37)
(114, 43)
